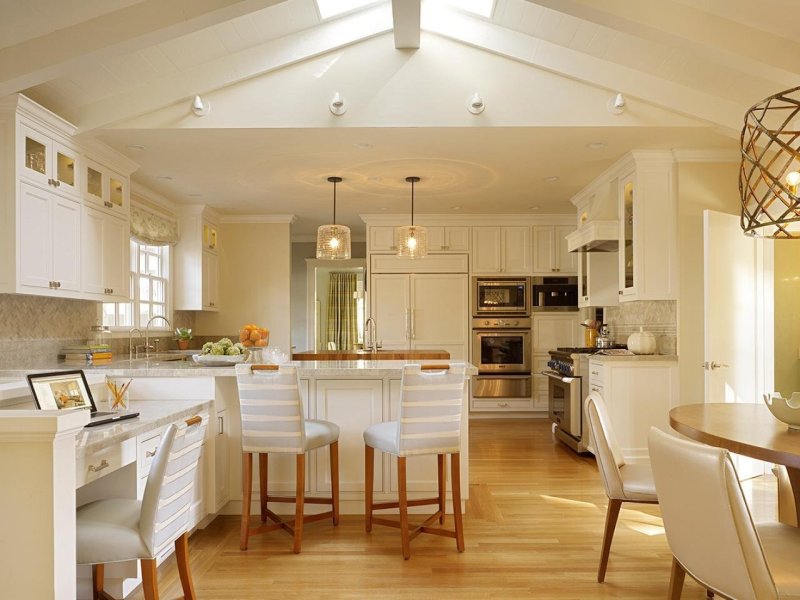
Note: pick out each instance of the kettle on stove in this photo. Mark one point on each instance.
(604, 338)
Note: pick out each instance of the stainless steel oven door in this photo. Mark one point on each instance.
(501, 386)
(564, 402)
(502, 350)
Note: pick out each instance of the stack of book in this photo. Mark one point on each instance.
(87, 354)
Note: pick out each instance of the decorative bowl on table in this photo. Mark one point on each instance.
(783, 409)
(218, 360)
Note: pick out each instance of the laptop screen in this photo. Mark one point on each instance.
(61, 390)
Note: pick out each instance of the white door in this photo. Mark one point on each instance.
(67, 243)
(389, 306)
(733, 313)
(440, 313)
(116, 255)
(36, 237)
(92, 273)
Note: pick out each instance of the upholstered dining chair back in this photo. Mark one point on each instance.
(271, 408)
(430, 410)
(708, 525)
(607, 451)
(169, 490)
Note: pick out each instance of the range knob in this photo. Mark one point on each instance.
(486, 323)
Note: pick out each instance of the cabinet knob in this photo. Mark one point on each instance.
(58, 284)
(56, 183)
(503, 404)
(620, 292)
(108, 204)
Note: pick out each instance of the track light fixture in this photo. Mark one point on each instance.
(200, 107)
(475, 104)
(616, 104)
(337, 105)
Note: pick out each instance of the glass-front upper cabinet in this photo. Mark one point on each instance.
(210, 236)
(105, 188)
(627, 256)
(48, 162)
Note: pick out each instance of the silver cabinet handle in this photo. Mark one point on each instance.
(408, 326)
(150, 453)
(220, 425)
(103, 465)
(108, 204)
(413, 328)
(595, 372)
(503, 404)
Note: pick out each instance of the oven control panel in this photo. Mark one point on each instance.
(561, 366)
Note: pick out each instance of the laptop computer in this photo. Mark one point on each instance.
(68, 390)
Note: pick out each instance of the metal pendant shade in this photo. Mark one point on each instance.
(333, 241)
(411, 240)
(770, 171)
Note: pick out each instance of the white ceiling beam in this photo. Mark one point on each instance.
(582, 67)
(144, 23)
(732, 44)
(233, 68)
(406, 16)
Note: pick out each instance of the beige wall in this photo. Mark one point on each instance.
(787, 316)
(700, 186)
(255, 271)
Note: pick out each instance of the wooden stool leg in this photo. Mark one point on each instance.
(98, 577)
(455, 472)
(403, 501)
(369, 476)
(263, 483)
(676, 580)
(182, 556)
(247, 488)
(441, 460)
(611, 523)
(149, 578)
(300, 499)
(335, 481)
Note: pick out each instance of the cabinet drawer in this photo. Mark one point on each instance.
(502, 405)
(95, 465)
(594, 387)
(146, 452)
(596, 374)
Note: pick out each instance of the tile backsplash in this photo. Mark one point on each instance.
(659, 317)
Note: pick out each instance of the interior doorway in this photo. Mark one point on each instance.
(331, 314)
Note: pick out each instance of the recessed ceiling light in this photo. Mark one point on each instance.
(384, 208)
(455, 207)
(363, 145)
(551, 179)
(195, 195)
(533, 208)
(596, 145)
(136, 147)
(164, 177)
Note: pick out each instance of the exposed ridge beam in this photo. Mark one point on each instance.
(724, 41)
(233, 68)
(406, 17)
(583, 67)
(145, 23)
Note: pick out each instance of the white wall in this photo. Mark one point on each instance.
(787, 316)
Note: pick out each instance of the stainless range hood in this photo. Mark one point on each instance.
(595, 236)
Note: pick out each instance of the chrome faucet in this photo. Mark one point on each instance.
(147, 346)
(369, 333)
(133, 350)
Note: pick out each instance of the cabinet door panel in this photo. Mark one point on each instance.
(440, 311)
(35, 237)
(116, 251)
(66, 170)
(67, 244)
(567, 262)
(92, 273)
(354, 405)
(34, 151)
(457, 239)
(388, 299)
(486, 255)
(516, 250)
(543, 250)
(436, 239)
(210, 280)
(553, 331)
(381, 239)
(221, 479)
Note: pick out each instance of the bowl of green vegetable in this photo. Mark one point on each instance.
(221, 353)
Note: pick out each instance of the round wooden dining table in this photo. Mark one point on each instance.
(747, 429)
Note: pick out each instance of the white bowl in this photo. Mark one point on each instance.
(785, 409)
(218, 360)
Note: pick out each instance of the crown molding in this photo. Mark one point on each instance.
(714, 155)
(151, 197)
(289, 219)
(27, 107)
(434, 220)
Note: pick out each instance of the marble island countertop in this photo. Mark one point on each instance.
(634, 357)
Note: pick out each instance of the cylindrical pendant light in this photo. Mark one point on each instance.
(411, 240)
(333, 241)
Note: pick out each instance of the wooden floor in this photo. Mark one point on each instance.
(533, 529)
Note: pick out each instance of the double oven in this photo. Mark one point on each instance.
(501, 337)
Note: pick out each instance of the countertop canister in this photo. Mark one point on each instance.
(642, 342)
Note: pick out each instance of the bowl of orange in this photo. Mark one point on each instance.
(253, 336)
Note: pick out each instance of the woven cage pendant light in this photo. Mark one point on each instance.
(333, 241)
(411, 240)
(770, 171)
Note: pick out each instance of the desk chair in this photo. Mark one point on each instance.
(710, 530)
(122, 529)
(622, 482)
(273, 422)
(429, 422)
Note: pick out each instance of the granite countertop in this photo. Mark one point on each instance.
(381, 354)
(635, 358)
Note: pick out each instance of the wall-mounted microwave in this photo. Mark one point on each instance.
(554, 293)
(500, 296)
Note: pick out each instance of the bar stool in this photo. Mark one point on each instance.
(429, 422)
(273, 422)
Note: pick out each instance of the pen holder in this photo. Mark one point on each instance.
(118, 398)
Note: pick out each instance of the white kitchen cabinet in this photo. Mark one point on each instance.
(501, 250)
(598, 279)
(105, 255)
(105, 188)
(423, 311)
(49, 242)
(222, 490)
(540, 382)
(381, 239)
(448, 239)
(196, 261)
(47, 161)
(639, 394)
(555, 330)
(648, 257)
(550, 254)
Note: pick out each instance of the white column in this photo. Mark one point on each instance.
(37, 503)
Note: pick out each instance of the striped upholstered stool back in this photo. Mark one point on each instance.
(272, 410)
(170, 484)
(430, 410)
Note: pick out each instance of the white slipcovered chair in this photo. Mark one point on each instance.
(429, 422)
(710, 530)
(271, 409)
(622, 482)
(122, 529)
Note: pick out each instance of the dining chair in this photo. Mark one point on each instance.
(710, 529)
(273, 422)
(787, 508)
(623, 482)
(429, 422)
(122, 529)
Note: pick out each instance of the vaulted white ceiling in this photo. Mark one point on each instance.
(126, 70)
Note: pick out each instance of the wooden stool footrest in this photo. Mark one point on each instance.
(396, 504)
(292, 500)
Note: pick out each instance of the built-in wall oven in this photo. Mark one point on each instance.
(501, 350)
(500, 296)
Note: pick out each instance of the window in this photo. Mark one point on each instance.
(149, 279)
